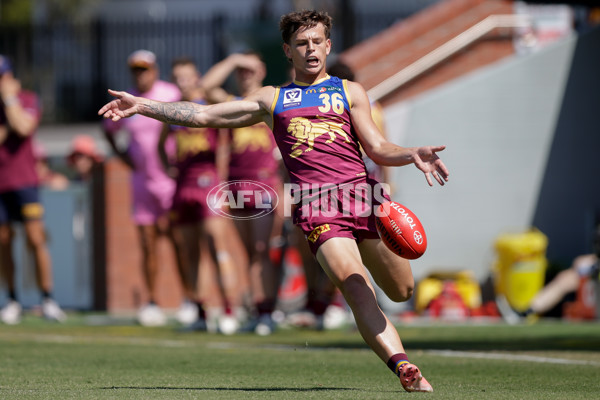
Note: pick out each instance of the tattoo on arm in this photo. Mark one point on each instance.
(178, 113)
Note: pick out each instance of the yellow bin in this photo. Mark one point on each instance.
(520, 269)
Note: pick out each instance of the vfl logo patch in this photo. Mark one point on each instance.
(314, 235)
(292, 97)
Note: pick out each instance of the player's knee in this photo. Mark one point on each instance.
(400, 293)
(355, 287)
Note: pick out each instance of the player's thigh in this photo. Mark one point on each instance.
(391, 272)
(340, 259)
(215, 227)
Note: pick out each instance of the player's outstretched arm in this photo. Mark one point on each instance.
(232, 114)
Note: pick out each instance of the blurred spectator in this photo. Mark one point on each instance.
(196, 172)
(566, 282)
(152, 188)
(253, 157)
(48, 177)
(20, 114)
(84, 156)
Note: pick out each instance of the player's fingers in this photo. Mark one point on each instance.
(428, 177)
(438, 178)
(115, 93)
(442, 172)
(104, 109)
(435, 149)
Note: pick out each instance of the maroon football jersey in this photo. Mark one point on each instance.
(17, 163)
(313, 129)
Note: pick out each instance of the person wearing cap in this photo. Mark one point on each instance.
(20, 114)
(152, 188)
(84, 156)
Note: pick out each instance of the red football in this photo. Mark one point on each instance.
(401, 230)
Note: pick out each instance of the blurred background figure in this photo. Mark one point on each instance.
(49, 178)
(253, 156)
(152, 189)
(198, 169)
(84, 156)
(584, 269)
(20, 114)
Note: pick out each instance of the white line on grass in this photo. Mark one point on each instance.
(510, 357)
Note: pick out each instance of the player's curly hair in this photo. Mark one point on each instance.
(290, 23)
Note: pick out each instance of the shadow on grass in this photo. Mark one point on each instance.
(228, 389)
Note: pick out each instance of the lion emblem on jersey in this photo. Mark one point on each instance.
(306, 131)
(251, 138)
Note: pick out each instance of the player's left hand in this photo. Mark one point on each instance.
(430, 164)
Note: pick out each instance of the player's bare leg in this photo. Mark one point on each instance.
(187, 244)
(391, 272)
(36, 240)
(341, 260)
(216, 235)
(148, 239)
(7, 264)
(150, 314)
(10, 312)
(263, 274)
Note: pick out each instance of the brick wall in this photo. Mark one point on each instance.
(125, 289)
(381, 56)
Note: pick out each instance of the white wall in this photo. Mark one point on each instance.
(498, 124)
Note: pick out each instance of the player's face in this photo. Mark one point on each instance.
(308, 50)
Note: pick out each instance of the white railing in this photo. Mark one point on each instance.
(447, 50)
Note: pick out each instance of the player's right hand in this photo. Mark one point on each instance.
(125, 105)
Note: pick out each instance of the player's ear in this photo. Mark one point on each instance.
(328, 46)
(287, 50)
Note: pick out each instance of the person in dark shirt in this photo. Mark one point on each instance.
(20, 114)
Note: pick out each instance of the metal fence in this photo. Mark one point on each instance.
(71, 64)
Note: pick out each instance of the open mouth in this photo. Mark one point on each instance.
(312, 61)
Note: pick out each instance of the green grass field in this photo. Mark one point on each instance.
(83, 359)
